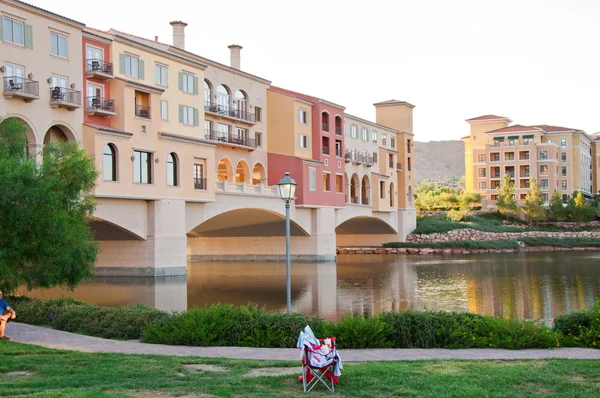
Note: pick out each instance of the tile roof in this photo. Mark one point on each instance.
(306, 97)
(394, 102)
(513, 128)
(551, 129)
(108, 129)
(49, 12)
(486, 117)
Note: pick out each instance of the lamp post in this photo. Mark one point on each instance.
(287, 189)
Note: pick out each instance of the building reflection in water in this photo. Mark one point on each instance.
(526, 285)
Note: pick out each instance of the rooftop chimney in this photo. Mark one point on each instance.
(179, 34)
(156, 38)
(235, 55)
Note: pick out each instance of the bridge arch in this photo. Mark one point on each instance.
(107, 230)
(364, 225)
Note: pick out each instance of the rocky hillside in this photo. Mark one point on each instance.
(435, 159)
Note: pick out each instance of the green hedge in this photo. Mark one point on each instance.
(459, 244)
(440, 224)
(562, 242)
(249, 326)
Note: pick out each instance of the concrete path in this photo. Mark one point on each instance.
(68, 341)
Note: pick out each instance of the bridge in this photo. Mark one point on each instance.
(245, 223)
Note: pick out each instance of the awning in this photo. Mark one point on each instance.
(513, 137)
(498, 138)
(528, 136)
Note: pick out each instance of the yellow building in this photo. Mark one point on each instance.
(559, 158)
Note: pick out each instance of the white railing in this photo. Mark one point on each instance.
(248, 189)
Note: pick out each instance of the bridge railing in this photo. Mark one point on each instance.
(245, 188)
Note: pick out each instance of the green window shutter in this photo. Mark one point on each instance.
(122, 64)
(195, 86)
(28, 33)
(196, 117)
(141, 70)
(1, 28)
(180, 113)
(181, 81)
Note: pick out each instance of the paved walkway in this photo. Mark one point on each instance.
(68, 341)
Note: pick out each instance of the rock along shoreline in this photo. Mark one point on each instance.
(430, 251)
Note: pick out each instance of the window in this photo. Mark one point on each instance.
(511, 143)
(303, 141)
(258, 113)
(312, 179)
(374, 136)
(164, 110)
(509, 156)
(544, 183)
(16, 73)
(494, 157)
(258, 138)
(188, 83)
(339, 183)
(353, 131)
(482, 185)
(338, 148)
(161, 75)
(383, 139)
(58, 45)
(393, 142)
(109, 163)
(563, 143)
(172, 170)
(482, 172)
(364, 134)
(545, 197)
(563, 171)
(526, 141)
(524, 155)
(544, 169)
(13, 31)
(563, 157)
(543, 155)
(199, 180)
(382, 189)
(142, 167)
(132, 66)
(302, 116)
(565, 198)
(188, 115)
(481, 158)
(564, 185)
(493, 197)
(326, 179)
(391, 161)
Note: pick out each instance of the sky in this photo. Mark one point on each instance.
(534, 61)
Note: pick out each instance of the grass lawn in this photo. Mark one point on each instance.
(55, 373)
(441, 224)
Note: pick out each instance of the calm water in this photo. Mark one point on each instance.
(527, 285)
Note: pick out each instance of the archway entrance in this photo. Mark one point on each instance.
(354, 189)
(242, 172)
(365, 191)
(258, 174)
(224, 170)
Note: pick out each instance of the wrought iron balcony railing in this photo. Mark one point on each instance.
(200, 183)
(227, 111)
(142, 111)
(16, 86)
(95, 65)
(67, 97)
(100, 103)
(229, 138)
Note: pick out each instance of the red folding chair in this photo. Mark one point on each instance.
(320, 363)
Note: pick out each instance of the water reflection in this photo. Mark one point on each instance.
(526, 285)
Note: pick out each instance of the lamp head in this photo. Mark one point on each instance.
(287, 188)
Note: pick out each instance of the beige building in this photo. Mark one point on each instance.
(40, 56)
(559, 158)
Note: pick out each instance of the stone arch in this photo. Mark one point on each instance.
(365, 190)
(32, 141)
(242, 171)
(259, 176)
(391, 194)
(354, 189)
(224, 170)
(106, 230)
(110, 162)
(223, 96)
(172, 169)
(246, 222)
(60, 132)
(364, 225)
(208, 91)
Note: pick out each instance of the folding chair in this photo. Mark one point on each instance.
(320, 361)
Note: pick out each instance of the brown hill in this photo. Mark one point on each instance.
(436, 159)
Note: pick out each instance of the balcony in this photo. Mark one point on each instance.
(325, 150)
(364, 201)
(18, 87)
(229, 139)
(226, 111)
(399, 166)
(325, 127)
(62, 97)
(100, 106)
(142, 111)
(99, 69)
(348, 157)
(200, 183)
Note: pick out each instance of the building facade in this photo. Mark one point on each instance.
(559, 158)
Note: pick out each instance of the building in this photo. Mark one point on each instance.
(559, 158)
(42, 74)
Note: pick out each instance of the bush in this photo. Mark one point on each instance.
(459, 244)
(580, 328)
(441, 224)
(563, 242)
(356, 331)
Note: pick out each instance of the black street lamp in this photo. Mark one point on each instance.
(287, 190)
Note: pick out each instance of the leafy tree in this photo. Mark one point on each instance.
(533, 203)
(578, 208)
(506, 203)
(557, 210)
(45, 240)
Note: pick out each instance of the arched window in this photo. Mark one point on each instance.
(172, 170)
(109, 163)
(223, 97)
(325, 120)
(241, 104)
(207, 93)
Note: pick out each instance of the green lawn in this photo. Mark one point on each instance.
(55, 373)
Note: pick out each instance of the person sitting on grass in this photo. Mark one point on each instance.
(11, 314)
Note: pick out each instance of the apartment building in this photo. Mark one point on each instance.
(371, 164)
(308, 141)
(559, 158)
(40, 55)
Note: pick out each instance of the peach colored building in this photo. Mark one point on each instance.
(559, 158)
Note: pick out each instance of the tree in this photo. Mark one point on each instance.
(578, 208)
(557, 210)
(506, 203)
(533, 203)
(45, 240)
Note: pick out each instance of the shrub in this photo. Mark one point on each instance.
(356, 331)
(580, 328)
(441, 224)
(563, 242)
(459, 244)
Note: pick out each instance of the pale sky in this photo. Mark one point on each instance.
(534, 61)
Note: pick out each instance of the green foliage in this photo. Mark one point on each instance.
(433, 195)
(459, 244)
(580, 328)
(440, 224)
(533, 202)
(506, 203)
(356, 331)
(563, 242)
(578, 209)
(44, 236)
(557, 211)
(456, 215)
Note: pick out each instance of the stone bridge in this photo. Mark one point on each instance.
(244, 223)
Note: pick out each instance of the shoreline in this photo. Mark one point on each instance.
(438, 251)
